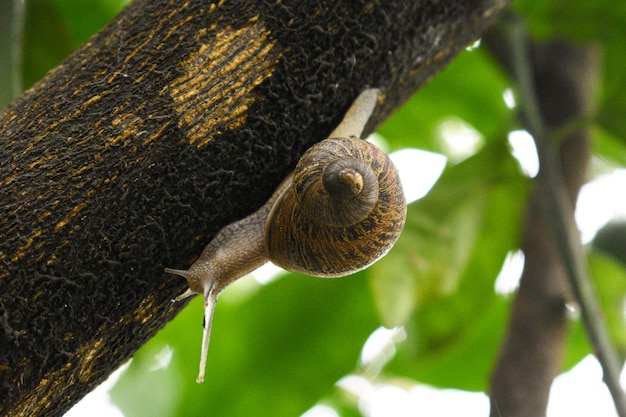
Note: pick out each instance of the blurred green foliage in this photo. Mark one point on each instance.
(279, 349)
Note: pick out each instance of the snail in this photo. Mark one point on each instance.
(339, 211)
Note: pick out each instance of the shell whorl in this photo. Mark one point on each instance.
(345, 210)
(335, 182)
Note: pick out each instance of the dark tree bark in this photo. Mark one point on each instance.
(173, 121)
(531, 357)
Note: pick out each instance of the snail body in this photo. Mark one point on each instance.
(339, 211)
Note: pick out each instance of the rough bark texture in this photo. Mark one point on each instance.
(532, 353)
(173, 121)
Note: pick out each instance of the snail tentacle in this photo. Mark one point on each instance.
(210, 300)
(357, 115)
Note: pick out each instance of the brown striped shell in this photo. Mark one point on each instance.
(344, 211)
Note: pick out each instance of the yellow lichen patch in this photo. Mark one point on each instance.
(139, 315)
(82, 366)
(55, 382)
(214, 91)
(29, 242)
(54, 257)
(69, 216)
(113, 177)
(41, 161)
(130, 131)
(156, 134)
(43, 396)
(51, 260)
(81, 170)
(174, 28)
(92, 100)
(88, 356)
(8, 180)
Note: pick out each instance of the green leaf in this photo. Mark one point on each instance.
(470, 88)
(579, 20)
(84, 18)
(589, 22)
(609, 147)
(282, 350)
(458, 320)
(612, 97)
(427, 261)
(609, 280)
(55, 28)
(46, 41)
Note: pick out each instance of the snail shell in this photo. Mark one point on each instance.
(341, 210)
(344, 211)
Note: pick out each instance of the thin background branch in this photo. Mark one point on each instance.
(553, 196)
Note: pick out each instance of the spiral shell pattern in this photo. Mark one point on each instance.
(344, 211)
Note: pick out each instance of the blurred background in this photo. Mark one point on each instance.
(418, 332)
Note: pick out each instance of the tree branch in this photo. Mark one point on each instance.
(556, 86)
(173, 121)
